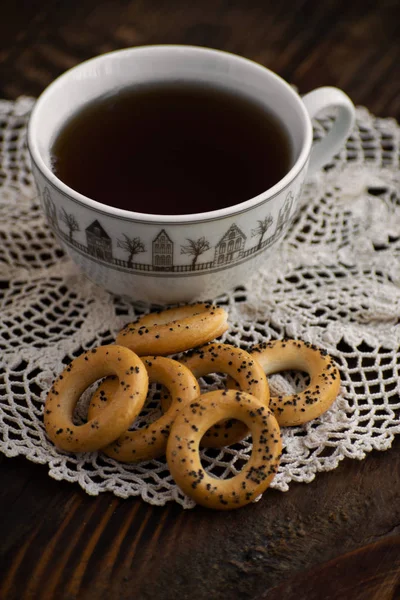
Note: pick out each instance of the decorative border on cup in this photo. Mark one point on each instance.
(176, 271)
(230, 248)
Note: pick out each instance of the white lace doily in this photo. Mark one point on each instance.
(335, 282)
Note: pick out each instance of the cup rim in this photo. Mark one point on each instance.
(229, 211)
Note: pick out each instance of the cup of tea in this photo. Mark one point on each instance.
(169, 173)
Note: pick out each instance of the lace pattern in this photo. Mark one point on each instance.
(335, 282)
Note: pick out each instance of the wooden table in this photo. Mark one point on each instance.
(337, 537)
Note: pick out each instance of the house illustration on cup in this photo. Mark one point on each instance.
(230, 247)
(163, 252)
(99, 243)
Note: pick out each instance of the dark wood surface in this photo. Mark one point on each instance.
(337, 537)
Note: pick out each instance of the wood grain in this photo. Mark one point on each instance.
(58, 542)
(370, 573)
(354, 45)
(64, 544)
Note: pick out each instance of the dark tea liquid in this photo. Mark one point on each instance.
(172, 148)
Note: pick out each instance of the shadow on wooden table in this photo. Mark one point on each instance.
(370, 573)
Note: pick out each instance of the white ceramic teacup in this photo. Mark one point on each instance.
(168, 258)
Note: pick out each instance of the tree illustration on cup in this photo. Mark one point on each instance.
(70, 220)
(195, 248)
(262, 228)
(46, 196)
(132, 246)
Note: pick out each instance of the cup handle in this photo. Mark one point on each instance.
(317, 100)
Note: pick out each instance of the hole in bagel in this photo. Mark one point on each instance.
(79, 416)
(283, 383)
(286, 383)
(226, 462)
(150, 412)
(212, 381)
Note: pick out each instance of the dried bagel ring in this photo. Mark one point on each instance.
(174, 330)
(183, 449)
(149, 441)
(223, 358)
(317, 397)
(115, 419)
